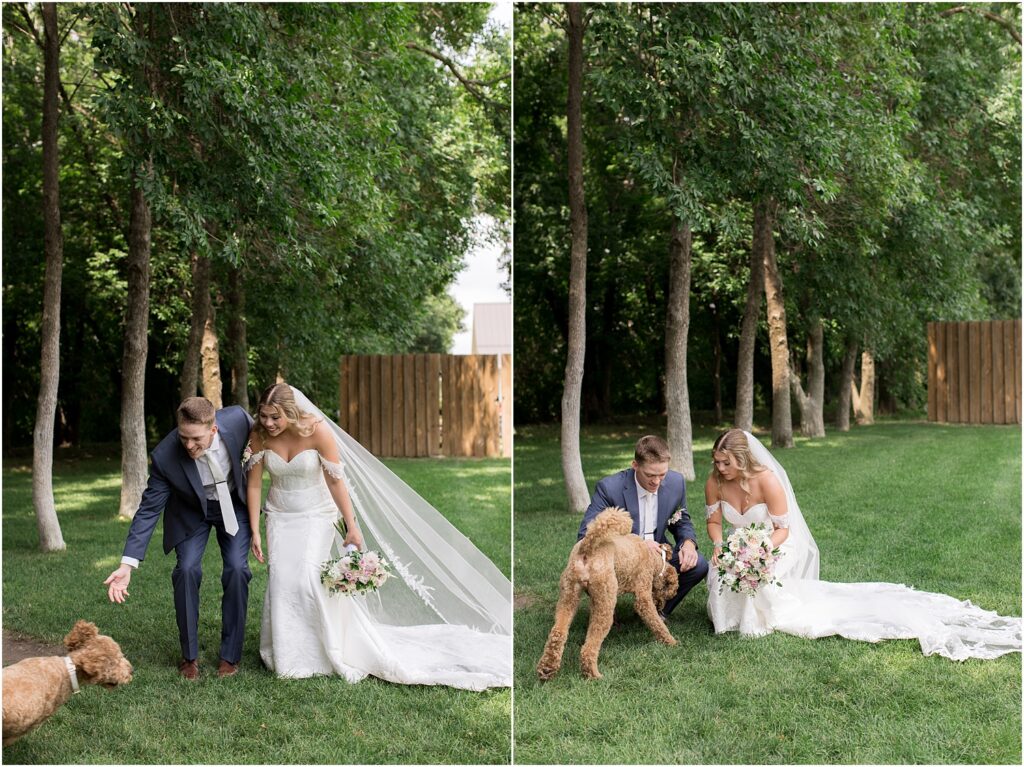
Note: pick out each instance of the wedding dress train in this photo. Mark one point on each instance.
(870, 612)
(444, 617)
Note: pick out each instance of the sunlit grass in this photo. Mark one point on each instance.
(937, 507)
(253, 717)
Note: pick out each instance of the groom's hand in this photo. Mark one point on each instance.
(687, 556)
(117, 584)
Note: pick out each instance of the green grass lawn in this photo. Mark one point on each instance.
(253, 717)
(933, 506)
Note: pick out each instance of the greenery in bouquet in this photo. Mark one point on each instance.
(747, 561)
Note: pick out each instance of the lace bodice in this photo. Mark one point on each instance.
(298, 483)
(758, 513)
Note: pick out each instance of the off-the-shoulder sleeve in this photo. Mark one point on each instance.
(252, 460)
(782, 520)
(709, 510)
(334, 469)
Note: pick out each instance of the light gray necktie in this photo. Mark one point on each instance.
(227, 509)
(649, 516)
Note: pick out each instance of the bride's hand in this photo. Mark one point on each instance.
(354, 538)
(257, 547)
(714, 557)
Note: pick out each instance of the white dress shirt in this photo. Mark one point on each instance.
(648, 511)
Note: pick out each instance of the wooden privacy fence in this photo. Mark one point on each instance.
(416, 405)
(974, 372)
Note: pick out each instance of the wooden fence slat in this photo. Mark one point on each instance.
(364, 400)
(433, 404)
(974, 377)
(506, 404)
(952, 373)
(421, 405)
(986, 372)
(343, 393)
(1017, 370)
(398, 396)
(964, 352)
(1009, 363)
(388, 406)
(353, 396)
(468, 396)
(375, 404)
(941, 374)
(933, 381)
(998, 377)
(409, 389)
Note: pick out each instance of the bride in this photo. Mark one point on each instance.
(445, 615)
(747, 486)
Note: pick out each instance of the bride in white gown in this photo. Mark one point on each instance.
(444, 617)
(748, 486)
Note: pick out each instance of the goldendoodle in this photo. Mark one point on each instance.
(36, 687)
(609, 560)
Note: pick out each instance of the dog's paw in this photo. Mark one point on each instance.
(545, 672)
(669, 640)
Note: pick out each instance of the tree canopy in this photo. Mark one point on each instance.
(328, 161)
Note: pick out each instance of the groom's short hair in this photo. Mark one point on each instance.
(197, 410)
(652, 449)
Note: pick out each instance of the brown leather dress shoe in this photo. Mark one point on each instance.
(226, 669)
(189, 669)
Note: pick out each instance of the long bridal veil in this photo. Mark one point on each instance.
(801, 548)
(441, 578)
(873, 611)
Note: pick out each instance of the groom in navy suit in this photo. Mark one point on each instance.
(656, 499)
(196, 480)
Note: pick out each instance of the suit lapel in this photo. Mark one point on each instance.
(188, 465)
(632, 500)
(234, 451)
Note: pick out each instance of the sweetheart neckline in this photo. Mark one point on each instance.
(289, 460)
(742, 513)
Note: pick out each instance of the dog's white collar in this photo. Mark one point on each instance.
(72, 673)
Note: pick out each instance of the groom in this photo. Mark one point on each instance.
(656, 499)
(196, 479)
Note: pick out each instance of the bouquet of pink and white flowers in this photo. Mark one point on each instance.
(355, 571)
(747, 560)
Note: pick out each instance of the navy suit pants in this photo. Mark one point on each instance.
(187, 576)
(687, 580)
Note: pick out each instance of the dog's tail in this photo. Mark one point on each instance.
(609, 523)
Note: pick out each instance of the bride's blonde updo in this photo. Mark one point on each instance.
(734, 442)
(280, 396)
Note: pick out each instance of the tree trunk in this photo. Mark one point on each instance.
(744, 416)
(50, 537)
(237, 340)
(864, 400)
(133, 368)
(200, 300)
(677, 325)
(782, 420)
(717, 374)
(812, 401)
(212, 387)
(572, 462)
(845, 383)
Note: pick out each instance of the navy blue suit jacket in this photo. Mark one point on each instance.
(620, 490)
(175, 489)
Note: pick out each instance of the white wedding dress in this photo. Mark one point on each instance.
(870, 612)
(307, 631)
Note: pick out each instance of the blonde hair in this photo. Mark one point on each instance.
(734, 443)
(280, 396)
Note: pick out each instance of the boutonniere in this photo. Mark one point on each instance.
(677, 516)
(247, 453)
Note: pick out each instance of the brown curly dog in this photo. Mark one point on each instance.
(36, 687)
(608, 561)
